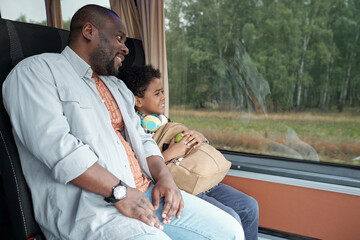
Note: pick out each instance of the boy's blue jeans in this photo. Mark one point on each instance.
(199, 220)
(239, 205)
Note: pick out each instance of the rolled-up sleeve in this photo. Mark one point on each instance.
(74, 164)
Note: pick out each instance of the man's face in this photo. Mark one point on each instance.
(110, 51)
(153, 101)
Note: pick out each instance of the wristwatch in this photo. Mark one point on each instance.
(118, 193)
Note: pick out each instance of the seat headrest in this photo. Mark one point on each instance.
(19, 40)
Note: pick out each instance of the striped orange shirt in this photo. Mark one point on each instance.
(142, 182)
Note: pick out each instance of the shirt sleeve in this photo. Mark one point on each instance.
(31, 99)
(151, 148)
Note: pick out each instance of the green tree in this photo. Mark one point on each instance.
(306, 51)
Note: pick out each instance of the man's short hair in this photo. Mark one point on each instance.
(138, 78)
(94, 14)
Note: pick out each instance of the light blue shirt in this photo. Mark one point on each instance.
(61, 127)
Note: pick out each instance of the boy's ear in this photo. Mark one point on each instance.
(138, 102)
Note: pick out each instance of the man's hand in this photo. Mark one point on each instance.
(173, 202)
(136, 205)
(166, 188)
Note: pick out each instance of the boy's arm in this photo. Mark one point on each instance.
(191, 138)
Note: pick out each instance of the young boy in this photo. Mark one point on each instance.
(145, 83)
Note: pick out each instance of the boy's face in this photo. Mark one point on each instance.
(153, 101)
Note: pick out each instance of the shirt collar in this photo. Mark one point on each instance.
(80, 66)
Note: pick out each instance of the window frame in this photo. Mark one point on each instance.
(321, 172)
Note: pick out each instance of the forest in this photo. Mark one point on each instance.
(264, 55)
(274, 77)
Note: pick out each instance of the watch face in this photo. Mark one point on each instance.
(119, 192)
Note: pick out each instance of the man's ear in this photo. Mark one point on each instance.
(138, 102)
(88, 31)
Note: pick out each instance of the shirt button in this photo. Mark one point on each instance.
(118, 141)
(125, 166)
(103, 100)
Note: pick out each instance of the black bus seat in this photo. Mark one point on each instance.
(18, 41)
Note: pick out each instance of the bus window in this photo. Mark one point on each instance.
(24, 11)
(277, 78)
(69, 7)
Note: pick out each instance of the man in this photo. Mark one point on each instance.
(92, 171)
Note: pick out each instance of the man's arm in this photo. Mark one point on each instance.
(98, 180)
(165, 187)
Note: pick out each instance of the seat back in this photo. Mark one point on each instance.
(18, 41)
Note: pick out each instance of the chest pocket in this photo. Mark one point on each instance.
(80, 113)
(66, 95)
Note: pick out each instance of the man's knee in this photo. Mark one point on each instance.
(237, 231)
(235, 215)
(159, 236)
(231, 228)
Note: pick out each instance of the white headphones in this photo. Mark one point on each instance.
(153, 122)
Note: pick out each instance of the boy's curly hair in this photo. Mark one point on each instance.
(138, 78)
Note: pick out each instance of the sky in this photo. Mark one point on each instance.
(35, 9)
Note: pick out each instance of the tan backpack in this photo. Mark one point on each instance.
(200, 169)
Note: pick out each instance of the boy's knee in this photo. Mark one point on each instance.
(253, 203)
(253, 207)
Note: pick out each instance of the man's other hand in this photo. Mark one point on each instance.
(136, 205)
(173, 202)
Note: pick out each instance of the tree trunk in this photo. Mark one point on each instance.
(220, 81)
(324, 100)
(302, 62)
(343, 94)
(301, 72)
(346, 83)
(275, 106)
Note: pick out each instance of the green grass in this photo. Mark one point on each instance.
(334, 136)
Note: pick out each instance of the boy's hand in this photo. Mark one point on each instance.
(193, 137)
(176, 150)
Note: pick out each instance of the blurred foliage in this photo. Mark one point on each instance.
(306, 51)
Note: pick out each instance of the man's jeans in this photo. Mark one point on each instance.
(199, 220)
(239, 205)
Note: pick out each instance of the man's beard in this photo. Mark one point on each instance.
(101, 63)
